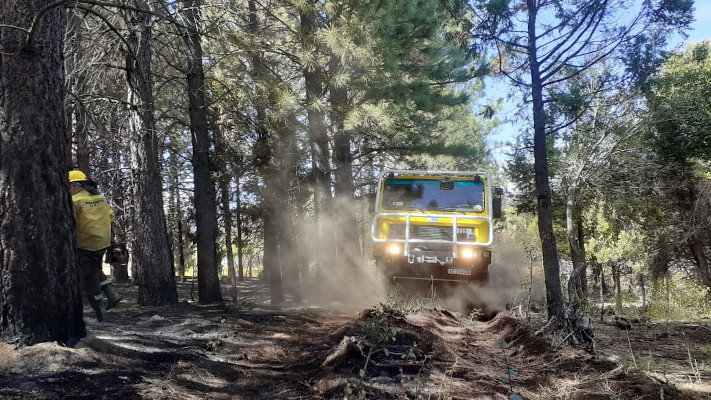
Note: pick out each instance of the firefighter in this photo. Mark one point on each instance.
(95, 232)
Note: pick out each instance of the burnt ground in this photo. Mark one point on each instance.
(247, 349)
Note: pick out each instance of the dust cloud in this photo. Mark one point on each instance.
(507, 287)
(516, 273)
(340, 271)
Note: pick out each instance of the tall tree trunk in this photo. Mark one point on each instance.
(602, 293)
(224, 182)
(318, 139)
(702, 263)
(208, 270)
(551, 264)
(271, 258)
(151, 249)
(642, 279)
(317, 132)
(287, 261)
(176, 214)
(240, 243)
(581, 244)
(287, 154)
(119, 272)
(617, 279)
(278, 237)
(577, 282)
(181, 246)
(264, 162)
(347, 232)
(40, 295)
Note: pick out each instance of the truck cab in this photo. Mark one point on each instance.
(435, 226)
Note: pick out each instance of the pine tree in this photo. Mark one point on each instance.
(40, 295)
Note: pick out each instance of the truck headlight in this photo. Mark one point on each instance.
(394, 249)
(468, 253)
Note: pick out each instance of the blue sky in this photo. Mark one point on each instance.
(700, 30)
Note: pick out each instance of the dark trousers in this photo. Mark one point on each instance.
(90, 272)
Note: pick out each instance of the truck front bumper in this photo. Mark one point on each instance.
(464, 264)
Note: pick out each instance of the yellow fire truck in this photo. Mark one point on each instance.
(435, 226)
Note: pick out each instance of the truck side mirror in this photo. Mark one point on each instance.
(496, 202)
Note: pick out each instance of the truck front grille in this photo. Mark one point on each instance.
(427, 232)
(421, 232)
(431, 232)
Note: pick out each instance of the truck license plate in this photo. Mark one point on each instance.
(459, 271)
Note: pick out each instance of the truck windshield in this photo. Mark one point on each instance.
(428, 194)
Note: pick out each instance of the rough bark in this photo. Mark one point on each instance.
(642, 280)
(176, 214)
(205, 207)
(40, 295)
(287, 167)
(617, 279)
(602, 293)
(581, 245)
(702, 263)
(271, 258)
(318, 138)
(577, 284)
(347, 232)
(317, 132)
(240, 244)
(264, 162)
(156, 283)
(551, 264)
(224, 183)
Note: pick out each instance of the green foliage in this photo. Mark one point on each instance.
(680, 300)
(547, 49)
(680, 136)
(381, 331)
(519, 169)
(613, 240)
(523, 227)
(681, 105)
(673, 13)
(414, 92)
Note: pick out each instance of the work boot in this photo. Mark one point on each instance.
(112, 296)
(99, 307)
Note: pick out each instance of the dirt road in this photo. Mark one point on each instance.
(247, 349)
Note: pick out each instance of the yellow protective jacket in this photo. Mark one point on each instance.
(94, 220)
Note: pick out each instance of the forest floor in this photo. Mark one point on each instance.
(248, 349)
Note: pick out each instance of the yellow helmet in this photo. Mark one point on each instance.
(77, 176)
